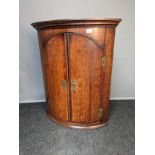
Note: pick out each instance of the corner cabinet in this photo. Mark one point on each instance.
(77, 64)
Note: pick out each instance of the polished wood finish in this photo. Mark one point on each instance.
(77, 64)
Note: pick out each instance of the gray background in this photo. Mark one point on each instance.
(31, 82)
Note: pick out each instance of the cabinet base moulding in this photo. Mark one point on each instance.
(77, 125)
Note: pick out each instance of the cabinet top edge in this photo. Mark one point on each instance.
(76, 22)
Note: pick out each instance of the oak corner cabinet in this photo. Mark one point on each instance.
(77, 63)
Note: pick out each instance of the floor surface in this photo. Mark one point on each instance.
(40, 136)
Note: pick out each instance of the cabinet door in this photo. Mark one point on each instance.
(86, 74)
(56, 70)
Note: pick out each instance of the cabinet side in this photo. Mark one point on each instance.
(109, 45)
(43, 63)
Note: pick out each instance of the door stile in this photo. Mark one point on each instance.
(90, 78)
(66, 38)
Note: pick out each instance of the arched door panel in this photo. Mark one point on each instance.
(57, 76)
(86, 78)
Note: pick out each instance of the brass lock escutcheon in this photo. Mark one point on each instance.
(103, 61)
(100, 112)
(63, 84)
(73, 86)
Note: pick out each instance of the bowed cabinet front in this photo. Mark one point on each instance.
(77, 63)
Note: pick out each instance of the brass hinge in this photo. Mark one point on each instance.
(100, 112)
(103, 61)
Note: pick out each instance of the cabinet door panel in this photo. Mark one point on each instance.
(86, 78)
(57, 76)
(79, 73)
